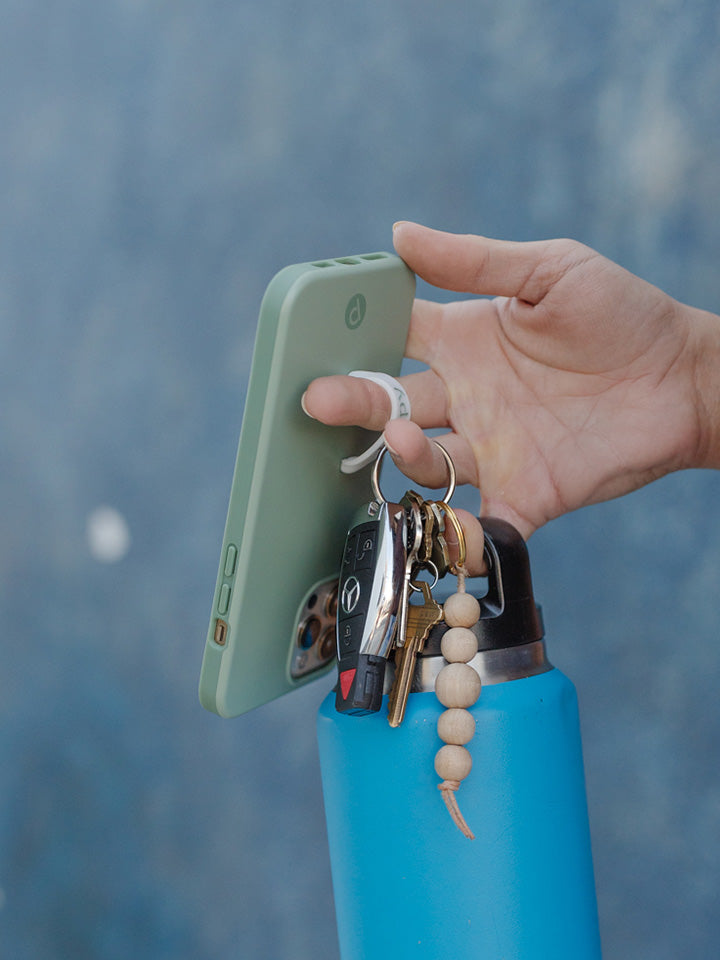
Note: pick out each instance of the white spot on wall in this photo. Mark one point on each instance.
(659, 151)
(108, 535)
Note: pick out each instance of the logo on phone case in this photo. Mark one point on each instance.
(355, 311)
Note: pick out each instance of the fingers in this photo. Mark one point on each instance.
(475, 563)
(422, 462)
(419, 458)
(342, 401)
(347, 400)
(471, 264)
(424, 330)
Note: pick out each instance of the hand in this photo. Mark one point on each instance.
(577, 383)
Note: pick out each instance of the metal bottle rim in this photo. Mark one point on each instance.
(492, 666)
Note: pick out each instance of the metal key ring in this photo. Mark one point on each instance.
(375, 477)
(459, 532)
(428, 565)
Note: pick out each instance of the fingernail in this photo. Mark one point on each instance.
(393, 453)
(304, 408)
(398, 223)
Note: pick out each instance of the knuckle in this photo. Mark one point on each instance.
(563, 248)
(559, 257)
(479, 269)
(375, 405)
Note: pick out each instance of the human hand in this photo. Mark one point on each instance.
(579, 382)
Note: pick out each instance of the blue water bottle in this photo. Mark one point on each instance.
(407, 883)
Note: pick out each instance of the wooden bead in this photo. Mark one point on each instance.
(453, 762)
(456, 726)
(461, 610)
(457, 685)
(459, 645)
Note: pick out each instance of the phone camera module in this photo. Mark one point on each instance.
(308, 633)
(327, 644)
(314, 645)
(332, 604)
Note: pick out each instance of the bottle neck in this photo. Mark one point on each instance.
(492, 666)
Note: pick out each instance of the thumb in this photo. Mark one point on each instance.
(472, 264)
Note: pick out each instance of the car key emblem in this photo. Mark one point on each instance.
(350, 594)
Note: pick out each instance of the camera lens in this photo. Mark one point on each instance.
(327, 645)
(308, 633)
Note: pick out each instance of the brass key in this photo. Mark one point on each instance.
(421, 618)
(429, 530)
(440, 552)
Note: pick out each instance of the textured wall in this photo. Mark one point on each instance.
(159, 162)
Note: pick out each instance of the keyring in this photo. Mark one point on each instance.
(428, 565)
(375, 477)
(460, 533)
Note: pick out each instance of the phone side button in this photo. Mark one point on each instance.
(224, 601)
(230, 560)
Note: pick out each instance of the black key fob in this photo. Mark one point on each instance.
(371, 579)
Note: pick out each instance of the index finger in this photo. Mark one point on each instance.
(340, 400)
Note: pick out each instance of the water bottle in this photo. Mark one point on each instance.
(407, 883)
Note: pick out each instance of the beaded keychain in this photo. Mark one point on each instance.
(457, 686)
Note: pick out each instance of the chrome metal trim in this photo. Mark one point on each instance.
(389, 568)
(492, 666)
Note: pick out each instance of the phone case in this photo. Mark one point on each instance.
(272, 626)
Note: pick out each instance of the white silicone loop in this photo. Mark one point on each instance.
(399, 410)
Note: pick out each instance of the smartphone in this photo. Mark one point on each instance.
(272, 625)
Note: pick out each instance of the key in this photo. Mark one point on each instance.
(413, 541)
(429, 529)
(421, 618)
(440, 551)
(371, 584)
(425, 547)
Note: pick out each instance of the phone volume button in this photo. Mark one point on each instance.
(230, 560)
(224, 600)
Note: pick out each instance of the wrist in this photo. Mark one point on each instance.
(704, 344)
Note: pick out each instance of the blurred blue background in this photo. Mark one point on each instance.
(159, 162)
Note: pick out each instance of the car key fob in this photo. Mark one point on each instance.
(371, 578)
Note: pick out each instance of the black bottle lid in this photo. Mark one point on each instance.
(509, 616)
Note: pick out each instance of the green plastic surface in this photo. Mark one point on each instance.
(290, 506)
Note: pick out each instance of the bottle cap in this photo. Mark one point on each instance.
(509, 616)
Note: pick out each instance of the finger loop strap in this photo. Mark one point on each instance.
(399, 410)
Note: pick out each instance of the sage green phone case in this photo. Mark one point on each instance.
(272, 622)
